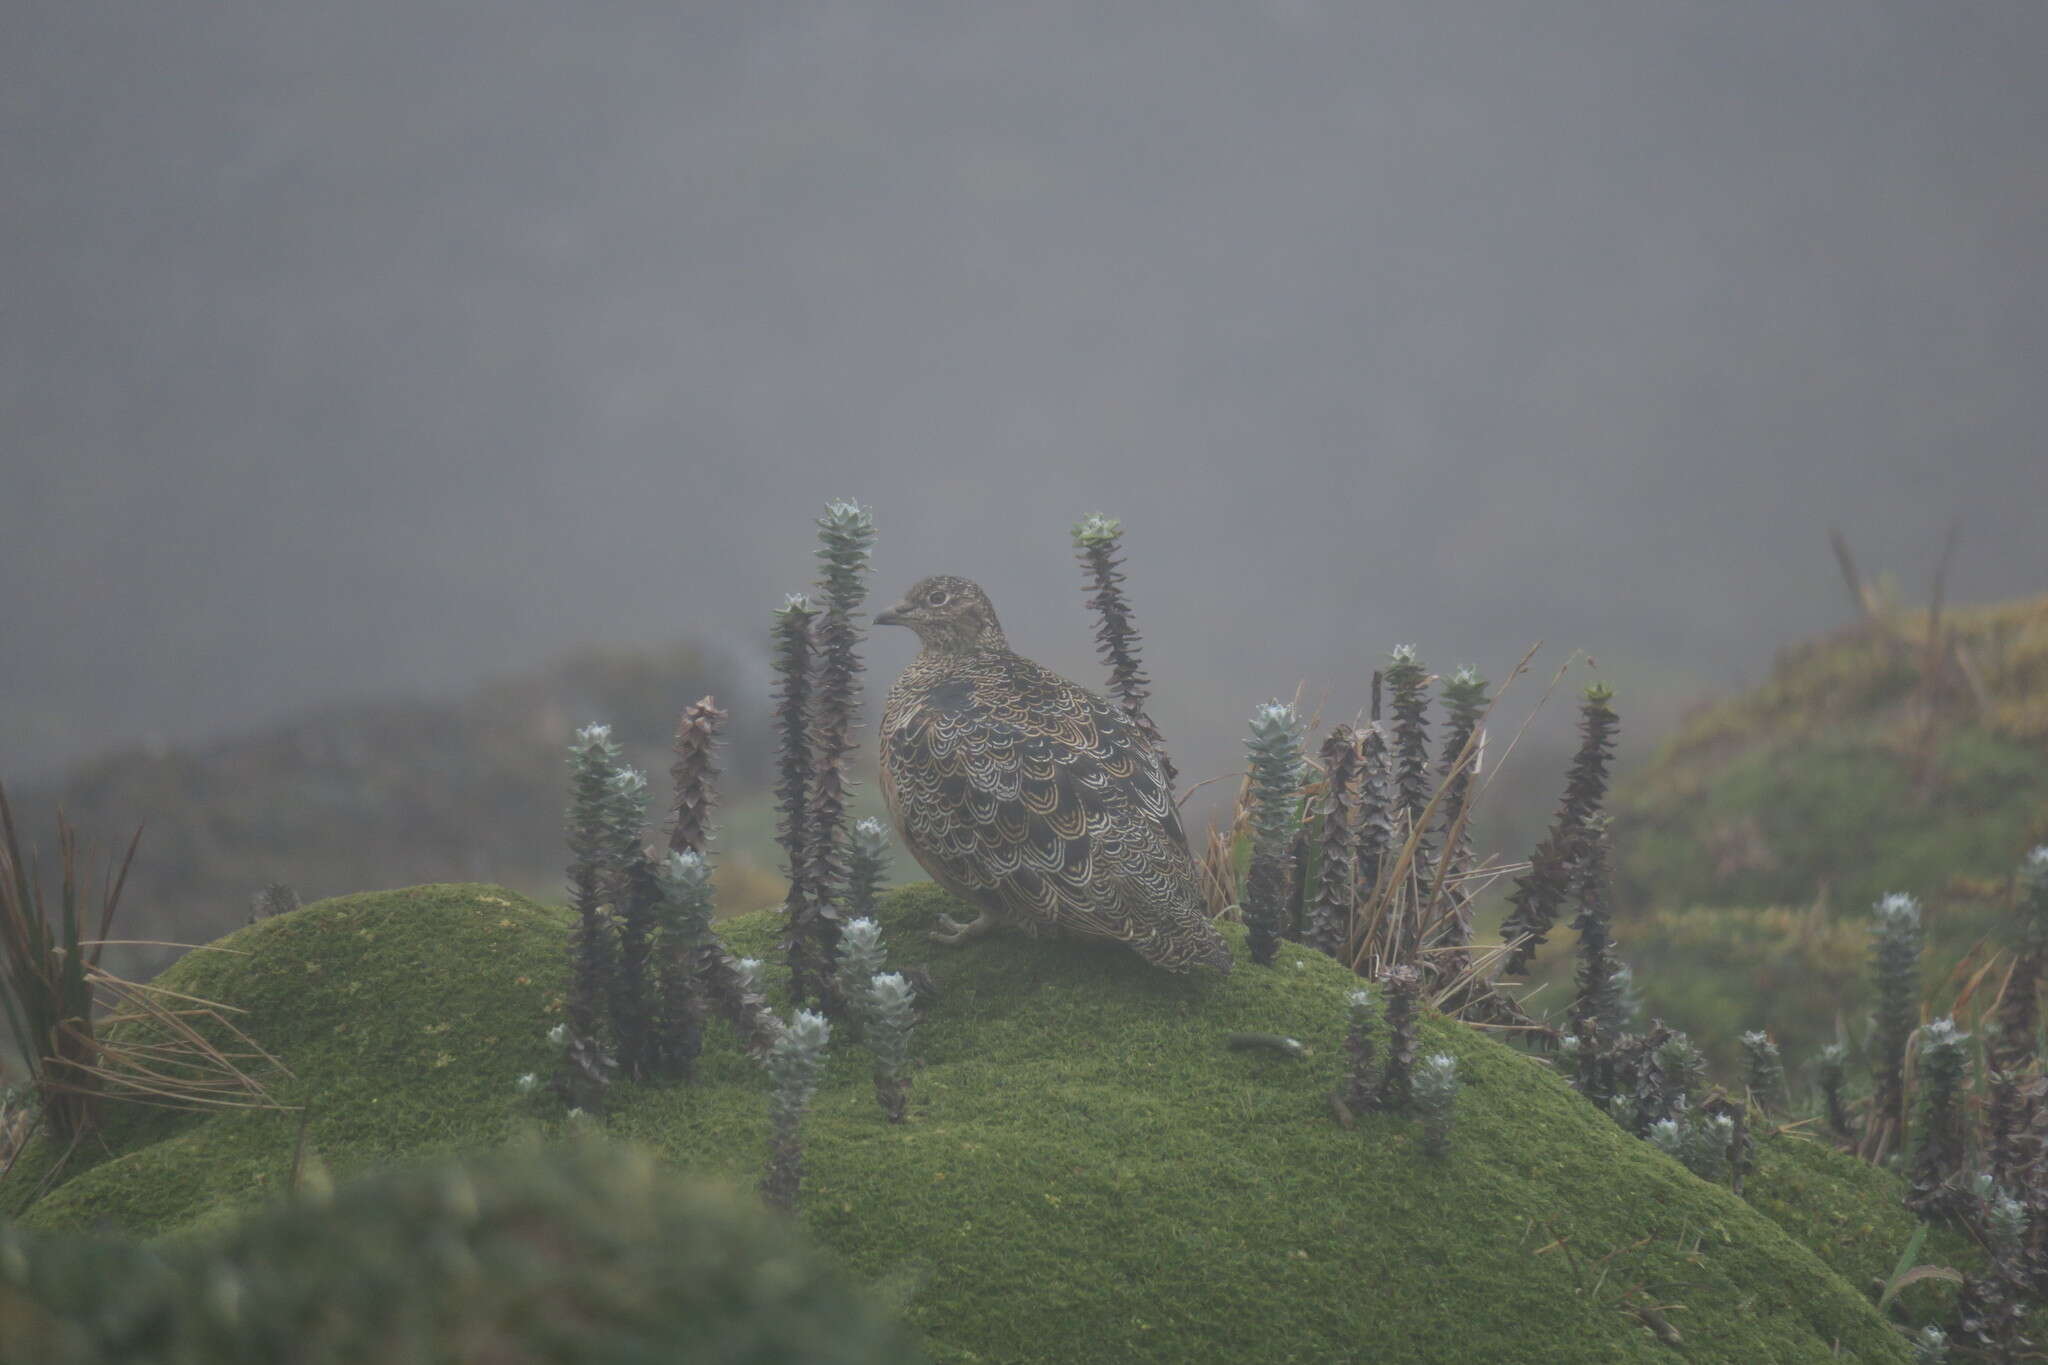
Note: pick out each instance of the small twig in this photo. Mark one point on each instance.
(1277, 1042)
(26, 1138)
(299, 1145)
(1221, 777)
(162, 943)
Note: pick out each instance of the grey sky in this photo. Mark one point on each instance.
(386, 345)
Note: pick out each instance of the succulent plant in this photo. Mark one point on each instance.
(1374, 847)
(1403, 986)
(1275, 750)
(1541, 892)
(1330, 912)
(795, 1063)
(867, 863)
(1599, 973)
(1408, 698)
(1763, 1070)
(1361, 1081)
(1435, 1087)
(1896, 941)
(694, 776)
(1934, 1183)
(634, 891)
(846, 535)
(890, 1019)
(592, 760)
(1832, 1071)
(792, 791)
(1098, 541)
(683, 908)
(2011, 1044)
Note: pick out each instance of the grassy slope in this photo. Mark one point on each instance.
(1751, 848)
(1089, 1173)
(1808, 780)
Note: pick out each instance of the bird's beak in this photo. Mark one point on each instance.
(893, 616)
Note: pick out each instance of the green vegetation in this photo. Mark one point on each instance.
(1837, 816)
(1857, 768)
(1749, 851)
(1088, 1173)
(584, 1251)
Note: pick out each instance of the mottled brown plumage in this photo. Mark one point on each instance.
(1030, 798)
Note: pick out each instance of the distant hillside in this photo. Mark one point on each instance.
(393, 792)
(1867, 762)
(1750, 849)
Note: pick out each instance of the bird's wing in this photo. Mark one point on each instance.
(1028, 795)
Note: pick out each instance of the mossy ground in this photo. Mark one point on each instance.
(1089, 1173)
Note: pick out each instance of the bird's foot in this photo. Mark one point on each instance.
(953, 933)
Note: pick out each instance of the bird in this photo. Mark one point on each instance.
(1037, 802)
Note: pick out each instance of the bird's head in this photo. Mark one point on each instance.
(950, 616)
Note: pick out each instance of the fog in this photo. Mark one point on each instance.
(383, 347)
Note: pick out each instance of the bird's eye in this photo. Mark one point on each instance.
(937, 597)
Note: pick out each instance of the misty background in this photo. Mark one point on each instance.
(387, 348)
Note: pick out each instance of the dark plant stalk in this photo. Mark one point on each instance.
(694, 776)
(1598, 975)
(592, 761)
(1740, 1154)
(1408, 697)
(1275, 752)
(635, 893)
(1361, 1082)
(1896, 940)
(685, 914)
(792, 789)
(1992, 1307)
(734, 990)
(1403, 986)
(1294, 908)
(867, 864)
(2010, 1148)
(1541, 892)
(1763, 1071)
(1934, 1186)
(1833, 1068)
(1374, 848)
(846, 535)
(1465, 702)
(1098, 541)
(2011, 1045)
(1330, 913)
(1435, 1088)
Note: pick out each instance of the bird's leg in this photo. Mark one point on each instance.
(953, 933)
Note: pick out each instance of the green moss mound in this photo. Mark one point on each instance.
(1089, 1174)
(1852, 1215)
(403, 1017)
(585, 1252)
